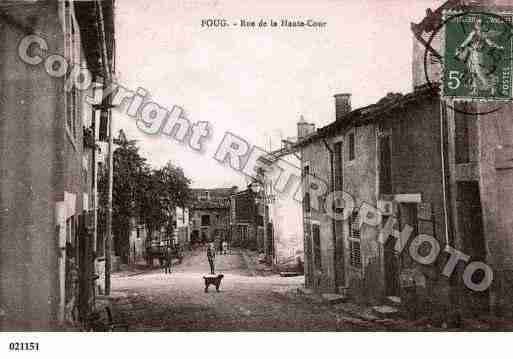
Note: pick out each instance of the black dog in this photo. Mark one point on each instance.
(214, 281)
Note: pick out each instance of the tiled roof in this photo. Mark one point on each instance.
(219, 197)
(212, 204)
(370, 113)
(216, 192)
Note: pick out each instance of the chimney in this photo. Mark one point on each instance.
(304, 128)
(342, 105)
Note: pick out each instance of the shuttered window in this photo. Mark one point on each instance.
(339, 181)
(352, 147)
(355, 254)
(354, 225)
(385, 165)
(316, 234)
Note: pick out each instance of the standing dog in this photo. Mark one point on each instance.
(214, 281)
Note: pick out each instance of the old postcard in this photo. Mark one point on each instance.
(261, 166)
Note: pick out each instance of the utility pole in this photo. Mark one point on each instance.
(267, 238)
(95, 188)
(107, 83)
(108, 242)
(263, 195)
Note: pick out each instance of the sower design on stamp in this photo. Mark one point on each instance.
(477, 56)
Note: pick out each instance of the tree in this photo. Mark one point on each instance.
(140, 192)
(129, 169)
(165, 189)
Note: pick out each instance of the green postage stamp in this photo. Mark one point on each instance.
(477, 61)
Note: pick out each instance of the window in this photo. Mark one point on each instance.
(138, 232)
(71, 235)
(205, 220)
(354, 225)
(316, 237)
(321, 203)
(204, 196)
(385, 165)
(103, 128)
(243, 233)
(306, 171)
(306, 184)
(339, 180)
(351, 144)
(68, 230)
(306, 202)
(355, 254)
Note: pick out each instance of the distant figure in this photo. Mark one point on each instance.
(169, 260)
(211, 254)
(225, 247)
(218, 243)
(179, 254)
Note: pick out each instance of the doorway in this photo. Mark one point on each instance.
(471, 234)
(392, 286)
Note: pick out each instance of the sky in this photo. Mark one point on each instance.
(256, 82)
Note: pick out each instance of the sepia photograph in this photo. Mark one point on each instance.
(255, 166)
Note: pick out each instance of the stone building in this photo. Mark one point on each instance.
(443, 172)
(377, 154)
(181, 231)
(47, 156)
(284, 213)
(247, 221)
(479, 170)
(210, 214)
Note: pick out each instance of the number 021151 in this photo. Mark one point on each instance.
(23, 346)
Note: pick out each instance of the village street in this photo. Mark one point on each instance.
(153, 300)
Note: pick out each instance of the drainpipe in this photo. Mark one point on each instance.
(333, 229)
(443, 122)
(446, 186)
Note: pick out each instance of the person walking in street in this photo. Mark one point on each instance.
(169, 260)
(211, 254)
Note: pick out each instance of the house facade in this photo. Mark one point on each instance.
(47, 163)
(247, 221)
(210, 214)
(358, 154)
(284, 213)
(479, 170)
(438, 167)
(181, 231)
